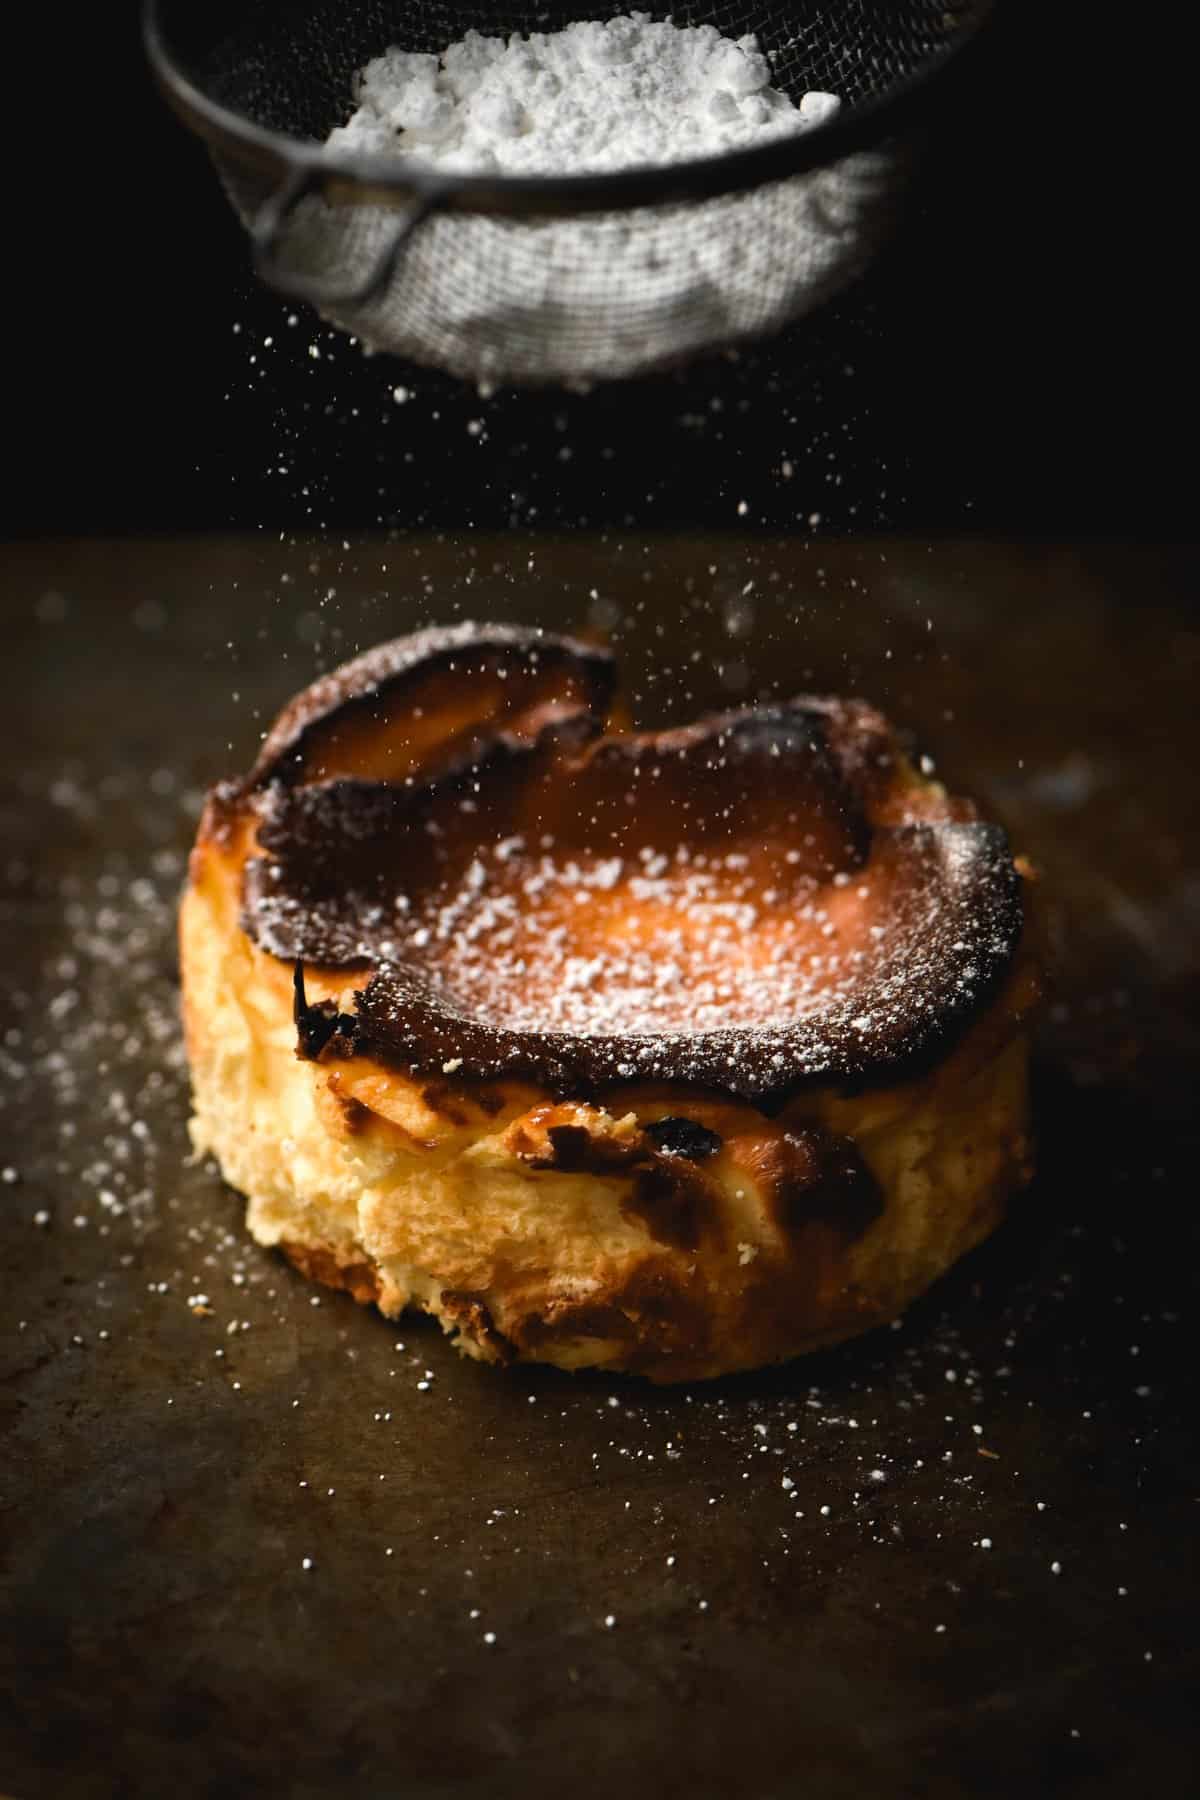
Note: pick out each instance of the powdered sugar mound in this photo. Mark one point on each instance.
(598, 95)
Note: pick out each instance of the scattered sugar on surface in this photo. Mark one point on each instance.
(101, 1039)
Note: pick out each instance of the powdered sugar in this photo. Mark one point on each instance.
(598, 95)
(513, 296)
(550, 943)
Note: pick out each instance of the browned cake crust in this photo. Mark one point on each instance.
(675, 1052)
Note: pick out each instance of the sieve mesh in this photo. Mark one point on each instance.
(525, 281)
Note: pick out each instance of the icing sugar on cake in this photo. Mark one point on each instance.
(551, 943)
(598, 95)
(761, 899)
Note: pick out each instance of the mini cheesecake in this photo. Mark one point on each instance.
(671, 1052)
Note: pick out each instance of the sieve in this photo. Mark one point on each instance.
(576, 278)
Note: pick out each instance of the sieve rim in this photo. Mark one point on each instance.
(394, 180)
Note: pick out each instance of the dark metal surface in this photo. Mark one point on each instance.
(956, 1558)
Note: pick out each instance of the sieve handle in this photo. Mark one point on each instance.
(268, 226)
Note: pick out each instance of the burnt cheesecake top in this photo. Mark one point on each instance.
(756, 902)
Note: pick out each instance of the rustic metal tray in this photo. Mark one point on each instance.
(257, 1540)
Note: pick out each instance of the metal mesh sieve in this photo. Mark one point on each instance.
(576, 278)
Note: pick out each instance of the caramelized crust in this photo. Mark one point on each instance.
(673, 1052)
(753, 902)
(426, 704)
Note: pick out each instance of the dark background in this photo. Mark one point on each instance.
(1021, 363)
(1022, 366)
